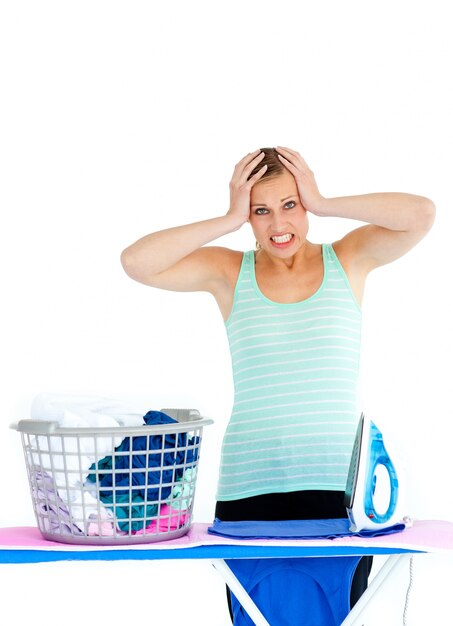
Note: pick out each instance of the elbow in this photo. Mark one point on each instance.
(428, 213)
(127, 261)
(425, 215)
(135, 266)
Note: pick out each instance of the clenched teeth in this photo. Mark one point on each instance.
(282, 238)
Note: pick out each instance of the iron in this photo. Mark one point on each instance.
(372, 475)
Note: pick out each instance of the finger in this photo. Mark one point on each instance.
(298, 159)
(241, 176)
(289, 153)
(286, 162)
(250, 154)
(258, 174)
(243, 169)
(283, 149)
(246, 160)
(248, 168)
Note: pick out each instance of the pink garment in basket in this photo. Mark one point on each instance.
(166, 522)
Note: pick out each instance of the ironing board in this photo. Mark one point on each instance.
(26, 545)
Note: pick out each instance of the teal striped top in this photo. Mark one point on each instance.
(295, 371)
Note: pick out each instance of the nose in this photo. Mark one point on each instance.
(279, 222)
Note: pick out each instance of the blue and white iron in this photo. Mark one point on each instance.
(371, 473)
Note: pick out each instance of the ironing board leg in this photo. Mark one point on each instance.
(245, 600)
(390, 566)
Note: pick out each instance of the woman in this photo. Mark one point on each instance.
(292, 316)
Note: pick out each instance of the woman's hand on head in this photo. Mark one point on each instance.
(240, 187)
(306, 185)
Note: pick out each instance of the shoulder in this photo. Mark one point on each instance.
(224, 264)
(344, 251)
(231, 261)
(230, 266)
(352, 255)
(356, 273)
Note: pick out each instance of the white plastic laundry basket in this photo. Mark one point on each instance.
(110, 486)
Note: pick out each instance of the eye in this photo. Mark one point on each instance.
(261, 211)
(290, 202)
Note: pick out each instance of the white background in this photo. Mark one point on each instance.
(122, 118)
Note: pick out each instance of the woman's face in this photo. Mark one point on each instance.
(277, 217)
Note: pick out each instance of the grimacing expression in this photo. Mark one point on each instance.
(277, 216)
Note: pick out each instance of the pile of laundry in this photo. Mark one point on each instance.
(108, 485)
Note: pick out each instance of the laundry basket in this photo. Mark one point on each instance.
(108, 486)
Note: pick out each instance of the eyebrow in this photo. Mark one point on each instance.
(282, 200)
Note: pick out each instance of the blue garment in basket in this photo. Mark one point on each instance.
(296, 591)
(158, 469)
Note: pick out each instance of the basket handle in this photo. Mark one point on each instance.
(35, 427)
(185, 414)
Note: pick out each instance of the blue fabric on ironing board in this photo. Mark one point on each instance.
(295, 529)
(307, 592)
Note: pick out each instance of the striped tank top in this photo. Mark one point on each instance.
(295, 372)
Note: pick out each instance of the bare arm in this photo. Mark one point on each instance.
(396, 221)
(175, 258)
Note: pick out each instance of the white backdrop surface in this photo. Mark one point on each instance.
(119, 119)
